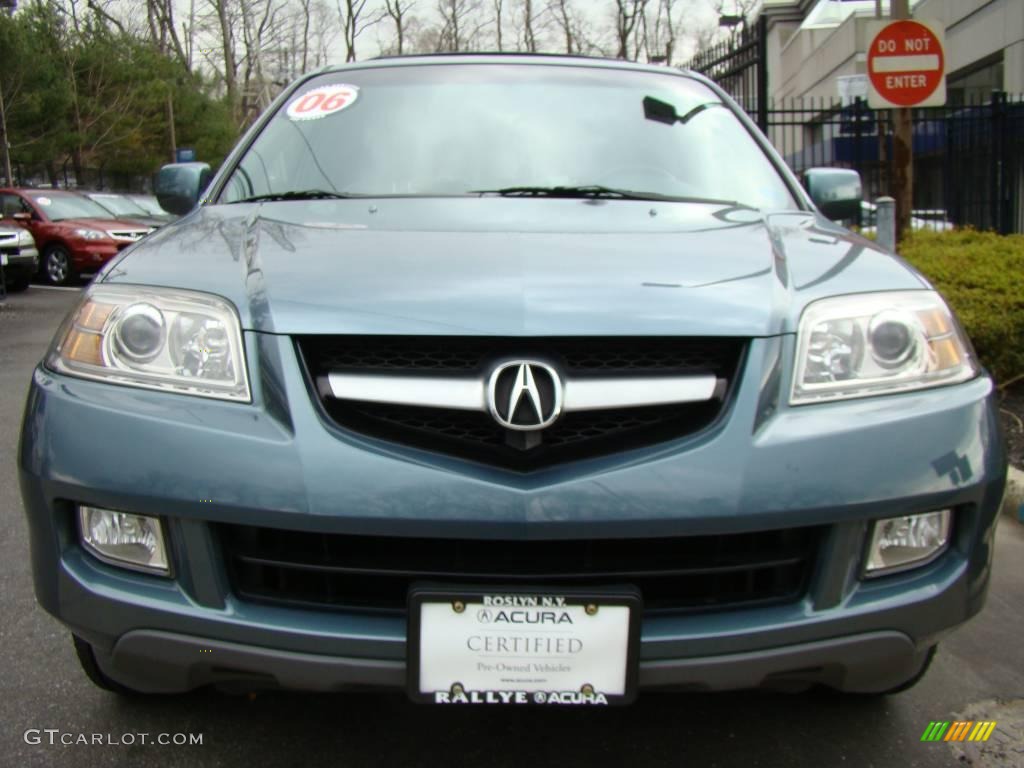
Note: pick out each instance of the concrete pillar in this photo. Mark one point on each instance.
(886, 223)
(1013, 68)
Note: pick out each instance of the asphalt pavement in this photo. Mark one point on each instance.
(978, 674)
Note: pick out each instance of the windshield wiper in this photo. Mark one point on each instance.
(296, 194)
(598, 191)
(585, 191)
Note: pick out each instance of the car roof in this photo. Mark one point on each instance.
(534, 59)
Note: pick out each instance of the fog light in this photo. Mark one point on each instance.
(119, 538)
(899, 543)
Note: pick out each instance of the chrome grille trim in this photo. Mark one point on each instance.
(131, 235)
(468, 393)
(461, 393)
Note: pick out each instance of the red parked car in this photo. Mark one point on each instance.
(73, 233)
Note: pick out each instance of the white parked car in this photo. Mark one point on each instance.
(19, 258)
(933, 219)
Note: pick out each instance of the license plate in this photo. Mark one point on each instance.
(3, 259)
(522, 646)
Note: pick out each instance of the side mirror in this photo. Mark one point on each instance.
(179, 186)
(21, 216)
(836, 191)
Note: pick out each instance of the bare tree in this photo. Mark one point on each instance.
(163, 29)
(657, 36)
(565, 18)
(641, 35)
(101, 12)
(306, 13)
(529, 34)
(261, 36)
(398, 11)
(323, 34)
(225, 24)
(628, 13)
(354, 21)
(189, 33)
(460, 24)
(743, 9)
(498, 8)
(667, 29)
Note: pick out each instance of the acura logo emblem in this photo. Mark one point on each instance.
(524, 395)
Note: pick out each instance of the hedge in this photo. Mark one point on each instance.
(981, 275)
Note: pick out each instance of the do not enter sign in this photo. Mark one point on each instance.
(906, 65)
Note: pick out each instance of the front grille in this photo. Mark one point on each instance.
(374, 573)
(476, 436)
(448, 354)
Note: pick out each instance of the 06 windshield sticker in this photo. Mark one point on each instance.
(323, 101)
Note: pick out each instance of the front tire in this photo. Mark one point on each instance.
(57, 268)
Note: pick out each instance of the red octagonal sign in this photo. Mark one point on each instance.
(906, 65)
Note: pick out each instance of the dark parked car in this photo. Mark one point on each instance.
(509, 380)
(125, 208)
(73, 234)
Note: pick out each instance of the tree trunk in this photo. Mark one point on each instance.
(566, 21)
(76, 165)
(531, 40)
(497, 21)
(229, 57)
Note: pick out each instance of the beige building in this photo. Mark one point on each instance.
(813, 44)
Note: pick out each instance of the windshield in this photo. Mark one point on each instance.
(58, 207)
(118, 205)
(474, 129)
(148, 204)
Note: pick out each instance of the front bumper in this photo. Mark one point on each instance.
(276, 463)
(90, 255)
(24, 263)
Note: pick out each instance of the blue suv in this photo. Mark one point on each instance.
(512, 380)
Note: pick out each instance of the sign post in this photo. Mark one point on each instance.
(906, 68)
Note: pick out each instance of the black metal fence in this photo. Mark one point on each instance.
(968, 158)
(739, 66)
(64, 176)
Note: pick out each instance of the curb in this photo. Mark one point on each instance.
(1013, 500)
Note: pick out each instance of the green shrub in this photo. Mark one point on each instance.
(981, 275)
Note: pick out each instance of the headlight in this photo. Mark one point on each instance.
(877, 343)
(904, 542)
(91, 234)
(155, 338)
(120, 538)
(25, 237)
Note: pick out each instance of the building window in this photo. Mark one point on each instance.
(974, 84)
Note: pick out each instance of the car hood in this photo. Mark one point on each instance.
(500, 266)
